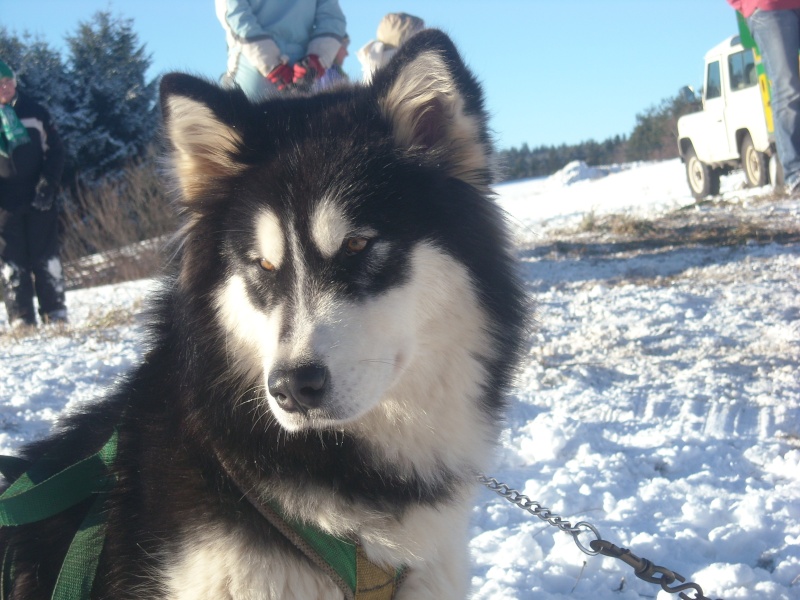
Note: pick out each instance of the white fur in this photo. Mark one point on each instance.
(439, 535)
(220, 564)
(368, 347)
(269, 238)
(329, 227)
(428, 413)
(252, 336)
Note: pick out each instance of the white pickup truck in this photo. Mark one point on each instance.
(734, 127)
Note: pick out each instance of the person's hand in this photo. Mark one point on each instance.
(307, 71)
(45, 194)
(281, 76)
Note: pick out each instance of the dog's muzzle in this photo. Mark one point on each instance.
(299, 389)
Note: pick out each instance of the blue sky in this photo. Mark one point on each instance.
(554, 72)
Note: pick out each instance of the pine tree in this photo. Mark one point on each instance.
(42, 76)
(12, 49)
(112, 117)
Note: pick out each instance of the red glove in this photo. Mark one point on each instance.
(308, 70)
(281, 76)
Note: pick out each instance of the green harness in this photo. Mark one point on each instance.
(39, 494)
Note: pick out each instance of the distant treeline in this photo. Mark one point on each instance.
(653, 138)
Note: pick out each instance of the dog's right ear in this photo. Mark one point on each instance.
(435, 107)
(198, 118)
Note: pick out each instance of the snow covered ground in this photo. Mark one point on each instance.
(660, 401)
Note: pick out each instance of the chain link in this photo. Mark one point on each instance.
(643, 568)
(544, 513)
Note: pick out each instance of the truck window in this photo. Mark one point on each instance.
(713, 81)
(742, 68)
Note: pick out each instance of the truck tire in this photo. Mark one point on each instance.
(703, 180)
(775, 171)
(754, 163)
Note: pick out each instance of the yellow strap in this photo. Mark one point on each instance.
(372, 581)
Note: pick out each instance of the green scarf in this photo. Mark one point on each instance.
(12, 132)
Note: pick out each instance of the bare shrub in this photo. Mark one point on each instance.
(631, 226)
(588, 222)
(116, 231)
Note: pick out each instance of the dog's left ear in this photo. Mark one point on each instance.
(435, 106)
(200, 124)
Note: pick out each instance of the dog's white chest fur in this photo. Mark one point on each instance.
(223, 564)
(226, 565)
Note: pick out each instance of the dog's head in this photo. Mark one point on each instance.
(345, 240)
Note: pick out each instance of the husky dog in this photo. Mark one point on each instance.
(333, 344)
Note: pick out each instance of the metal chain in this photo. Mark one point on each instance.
(544, 513)
(643, 568)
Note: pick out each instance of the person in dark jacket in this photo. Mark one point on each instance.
(31, 162)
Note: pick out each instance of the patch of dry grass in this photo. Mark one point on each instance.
(719, 225)
(115, 232)
(103, 324)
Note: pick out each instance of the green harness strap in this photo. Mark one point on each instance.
(38, 494)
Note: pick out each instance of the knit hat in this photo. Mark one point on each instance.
(7, 72)
(395, 28)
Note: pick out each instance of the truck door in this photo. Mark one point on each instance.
(714, 106)
(744, 107)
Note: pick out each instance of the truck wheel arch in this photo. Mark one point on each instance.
(684, 147)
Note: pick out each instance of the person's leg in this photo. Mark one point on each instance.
(43, 247)
(15, 272)
(777, 33)
(253, 83)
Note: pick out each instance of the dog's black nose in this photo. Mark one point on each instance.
(298, 389)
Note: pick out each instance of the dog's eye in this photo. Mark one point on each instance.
(265, 264)
(354, 245)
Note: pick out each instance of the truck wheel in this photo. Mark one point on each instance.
(703, 180)
(754, 163)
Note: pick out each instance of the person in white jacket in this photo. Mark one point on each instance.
(394, 30)
(275, 44)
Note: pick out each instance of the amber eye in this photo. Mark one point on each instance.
(265, 264)
(355, 245)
